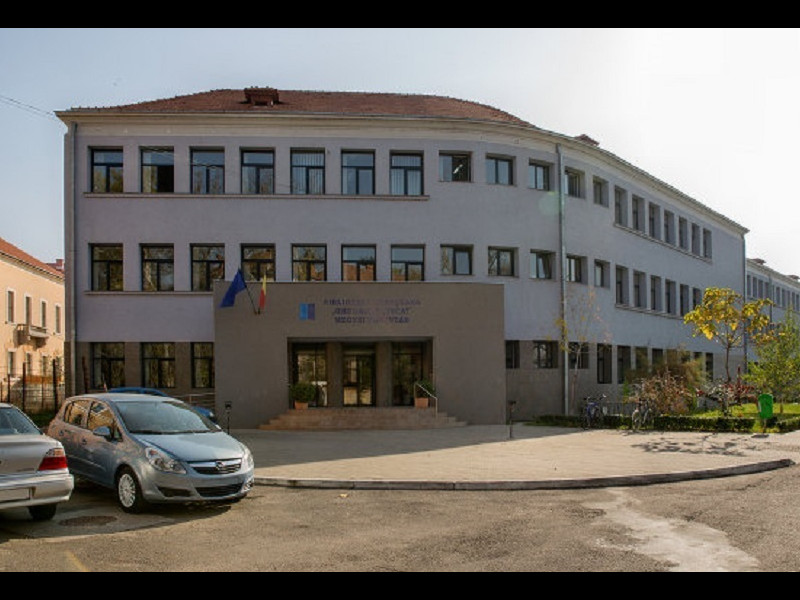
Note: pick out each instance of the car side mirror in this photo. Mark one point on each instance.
(104, 431)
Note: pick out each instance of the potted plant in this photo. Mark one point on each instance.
(302, 393)
(421, 398)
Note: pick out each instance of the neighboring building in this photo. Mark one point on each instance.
(32, 333)
(401, 237)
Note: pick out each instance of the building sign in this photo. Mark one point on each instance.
(372, 311)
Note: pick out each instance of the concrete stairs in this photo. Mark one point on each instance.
(365, 417)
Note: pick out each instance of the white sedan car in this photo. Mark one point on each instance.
(33, 466)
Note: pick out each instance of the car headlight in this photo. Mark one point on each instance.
(163, 461)
(247, 459)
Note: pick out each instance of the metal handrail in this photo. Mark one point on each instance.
(429, 394)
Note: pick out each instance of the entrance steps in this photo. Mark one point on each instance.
(332, 419)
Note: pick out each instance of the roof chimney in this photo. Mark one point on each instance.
(261, 96)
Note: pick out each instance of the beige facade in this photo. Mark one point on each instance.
(365, 337)
(32, 325)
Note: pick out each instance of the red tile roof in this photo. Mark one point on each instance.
(261, 100)
(11, 250)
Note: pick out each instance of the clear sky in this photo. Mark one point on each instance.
(714, 113)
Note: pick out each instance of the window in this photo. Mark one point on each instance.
(655, 293)
(639, 289)
(309, 263)
(637, 213)
(57, 324)
(545, 355)
(542, 264)
(158, 170)
(27, 309)
(108, 364)
(706, 243)
(158, 364)
(620, 207)
(208, 264)
(654, 220)
(575, 269)
(456, 260)
(358, 173)
(454, 167)
(621, 285)
(258, 172)
(512, 354)
(600, 191)
(106, 267)
(100, 415)
(684, 299)
(202, 364)
(309, 364)
(107, 171)
(683, 233)
(257, 261)
(408, 263)
(603, 363)
(406, 174)
(669, 297)
(623, 362)
(697, 297)
(43, 314)
(658, 356)
(601, 277)
(709, 366)
(499, 170)
(308, 172)
(640, 354)
(10, 299)
(538, 176)
(501, 261)
(158, 267)
(574, 182)
(358, 263)
(695, 239)
(669, 227)
(578, 355)
(208, 171)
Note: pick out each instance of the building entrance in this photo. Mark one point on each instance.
(358, 379)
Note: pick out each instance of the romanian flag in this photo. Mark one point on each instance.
(262, 297)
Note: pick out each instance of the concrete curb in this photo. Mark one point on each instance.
(509, 485)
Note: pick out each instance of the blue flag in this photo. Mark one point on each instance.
(237, 285)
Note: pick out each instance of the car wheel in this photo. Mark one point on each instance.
(42, 512)
(129, 492)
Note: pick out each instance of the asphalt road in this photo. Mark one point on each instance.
(740, 523)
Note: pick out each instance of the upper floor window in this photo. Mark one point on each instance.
(499, 170)
(695, 238)
(107, 171)
(706, 243)
(639, 289)
(454, 166)
(158, 268)
(600, 190)
(683, 233)
(655, 293)
(545, 354)
(43, 313)
(208, 171)
(106, 262)
(601, 269)
(406, 174)
(456, 260)
(358, 263)
(10, 299)
(575, 269)
(358, 173)
(208, 264)
(669, 227)
(542, 264)
(57, 324)
(538, 176)
(309, 263)
(258, 172)
(408, 263)
(258, 261)
(637, 213)
(574, 183)
(158, 170)
(620, 207)
(501, 261)
(654, 220)
(308, 172)
(621, 285)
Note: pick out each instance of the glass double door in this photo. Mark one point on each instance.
(358, 380)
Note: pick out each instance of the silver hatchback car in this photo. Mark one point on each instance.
(33, 466)
(151, 449)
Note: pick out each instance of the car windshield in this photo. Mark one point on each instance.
(13, 421)
(166, 417)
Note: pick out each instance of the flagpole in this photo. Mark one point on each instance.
(247, 289)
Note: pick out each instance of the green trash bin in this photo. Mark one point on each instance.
(765, 406)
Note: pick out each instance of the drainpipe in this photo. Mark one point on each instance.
(69, 249)
(563, 259)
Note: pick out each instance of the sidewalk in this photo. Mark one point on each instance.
(481, 457)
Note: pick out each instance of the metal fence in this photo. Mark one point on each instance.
(34, 393)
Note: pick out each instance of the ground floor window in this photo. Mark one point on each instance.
(407, 368)
(108, 364)
(158, 364)
(358, 381)
(310, 365)
(202, 364)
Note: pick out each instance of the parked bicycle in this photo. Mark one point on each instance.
(592, 415)
(643, 416)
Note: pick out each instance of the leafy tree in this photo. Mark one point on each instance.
(726, 318)
(777, 370)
